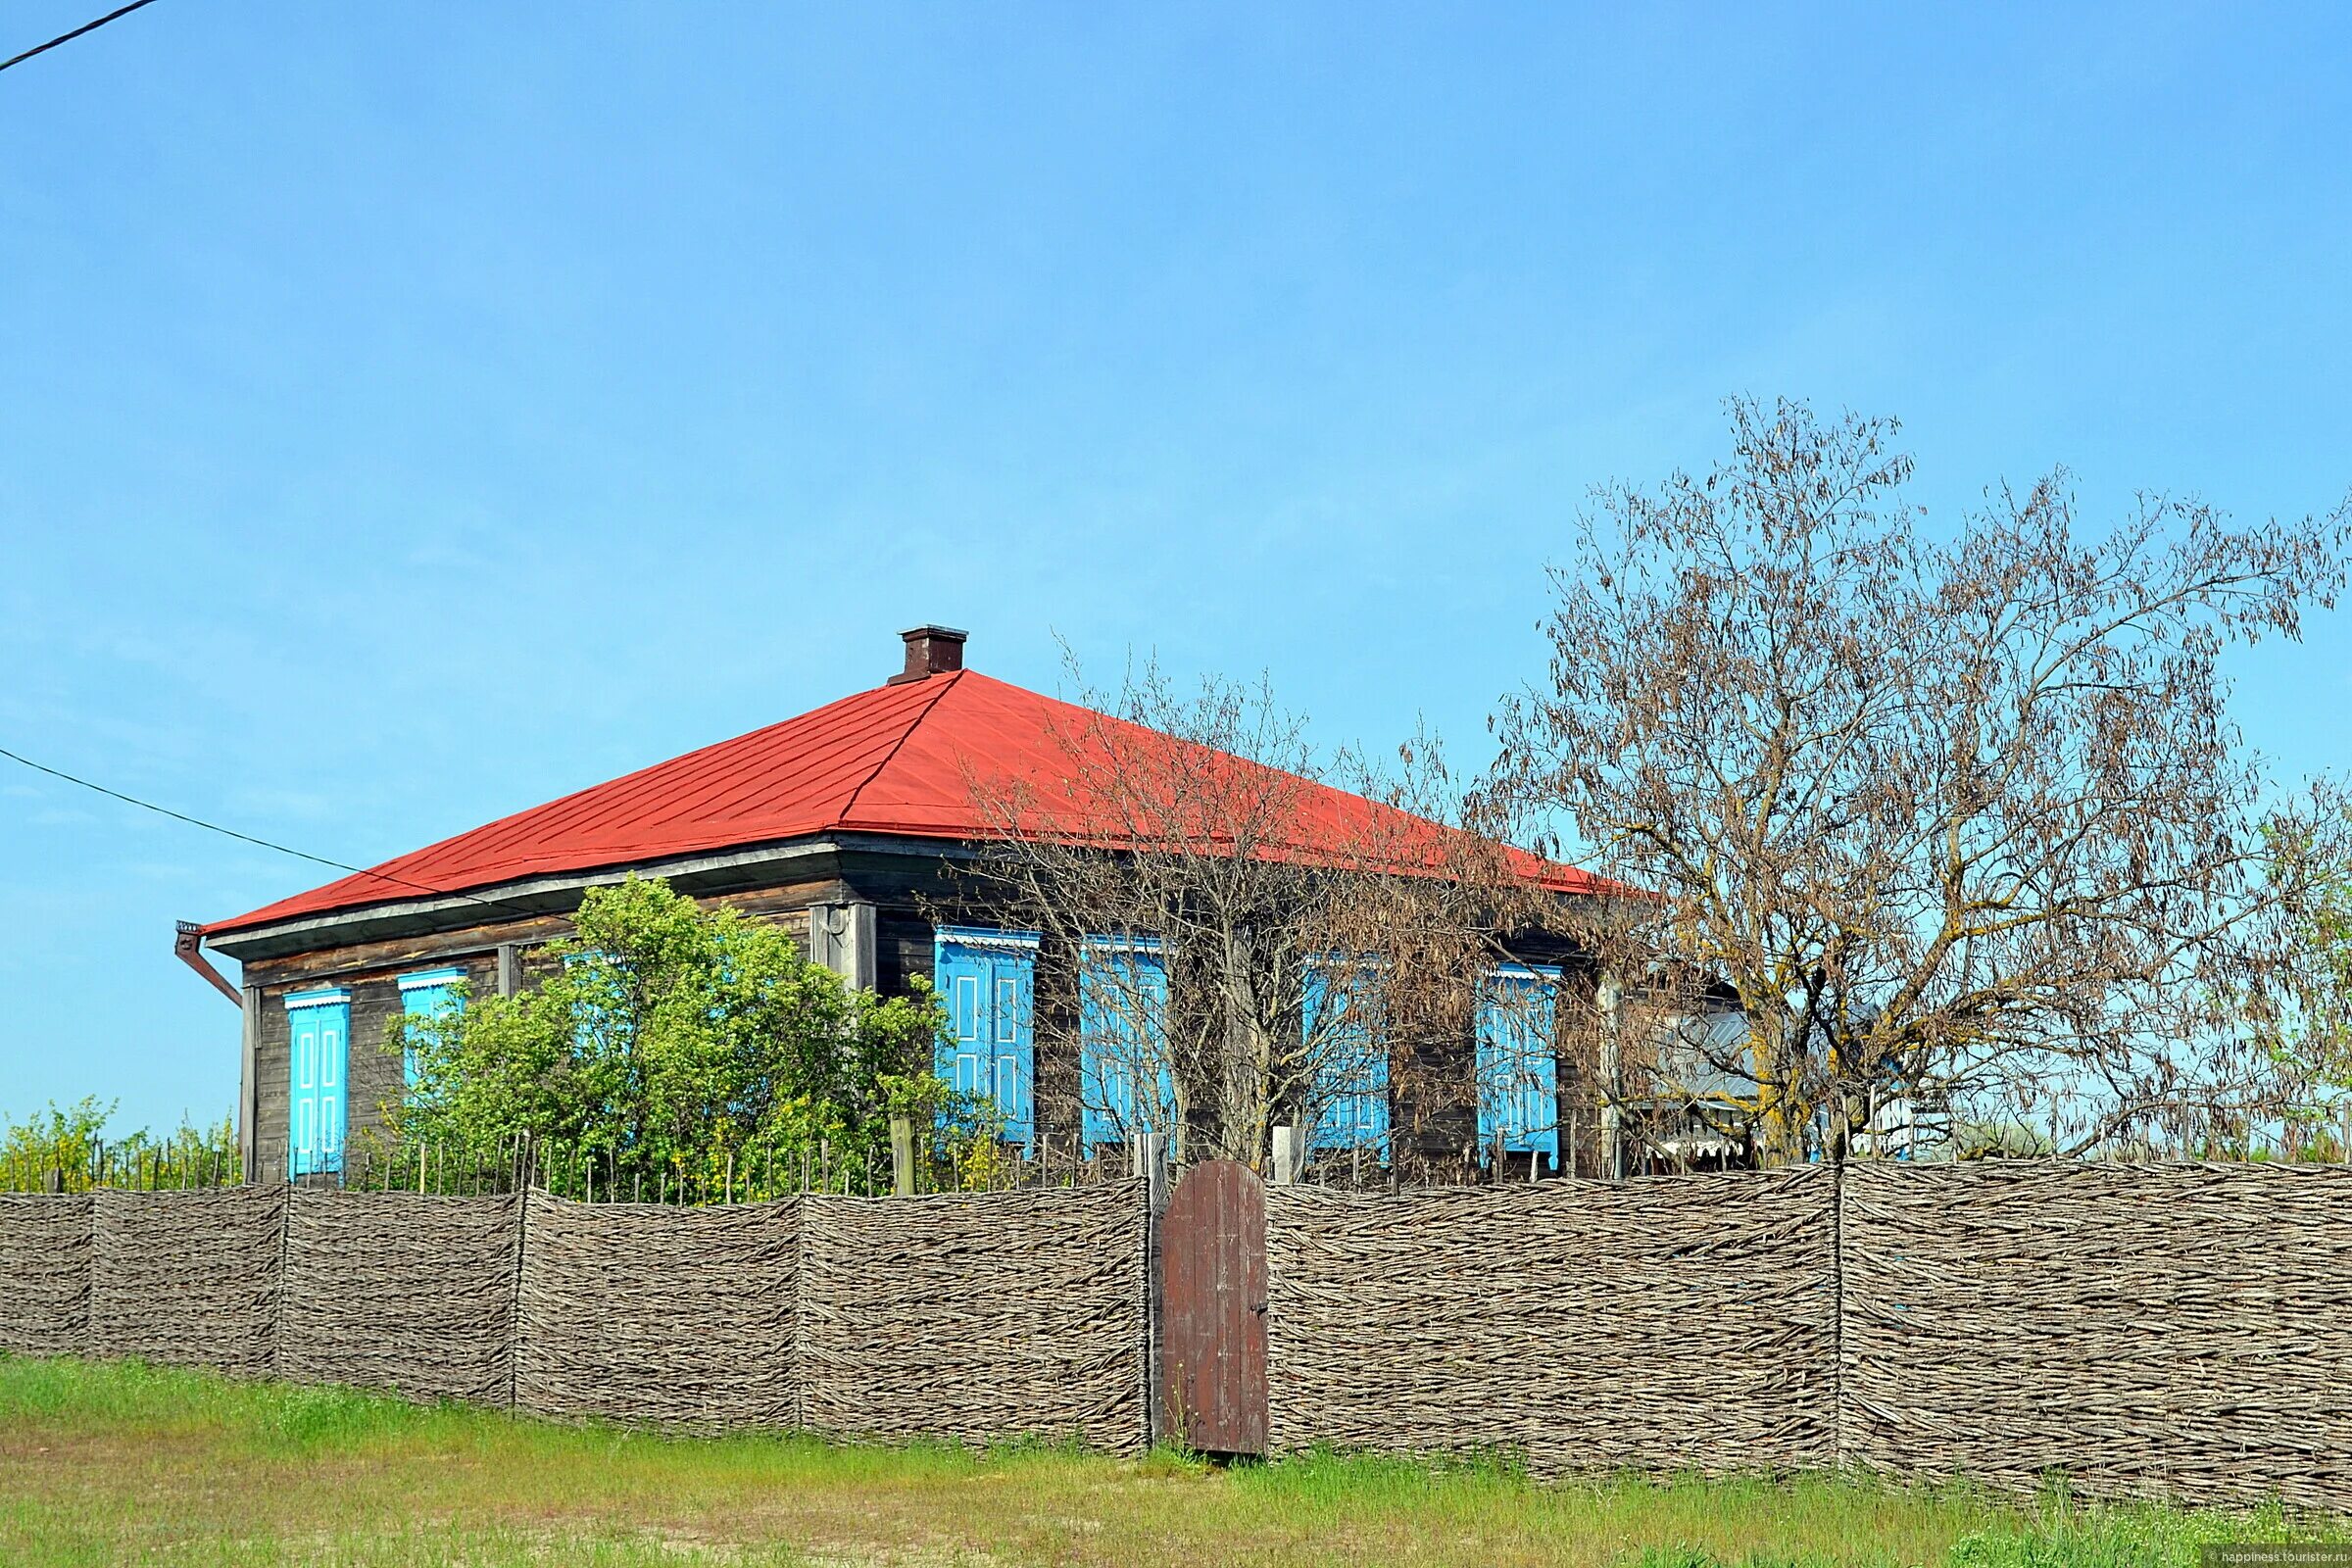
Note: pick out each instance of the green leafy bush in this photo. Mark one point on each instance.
(72, 1142)
(676, 1050)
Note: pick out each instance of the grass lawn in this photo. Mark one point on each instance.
(105, 1464)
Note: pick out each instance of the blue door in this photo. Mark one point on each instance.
(425, 995)
(989, 980)
(1124, 1082)
(1350, 1061)
(1518, 1069)
(320, 1026)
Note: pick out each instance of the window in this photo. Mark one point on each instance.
(1518, 1070)
(424, 995)
(988, 980)
(1124, 1039)
(318, 1025)
(1342, 1034)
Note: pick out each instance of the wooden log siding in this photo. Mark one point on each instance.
(395, 1290)
(44, 1274)
(978, 1316)
(1669, 1324)
(2175, 1330)
(187, 1278)
(670, 1317)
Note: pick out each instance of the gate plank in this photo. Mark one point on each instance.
(1213, 1334)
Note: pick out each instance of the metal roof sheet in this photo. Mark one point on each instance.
(898, 759)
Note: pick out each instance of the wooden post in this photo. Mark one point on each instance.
(902, 1157)
(249, 1087)
(1613, 1077)
(1286, 1154)
(1148, 1148)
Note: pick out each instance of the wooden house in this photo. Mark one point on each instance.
(840, 824)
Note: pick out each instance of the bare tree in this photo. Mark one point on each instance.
(1252, 942)
(1941, 817)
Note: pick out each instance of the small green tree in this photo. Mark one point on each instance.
(73, 1142)
(2309, 1038)
(672, 1046)
(64, 1140)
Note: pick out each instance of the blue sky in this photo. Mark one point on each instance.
(409, 413)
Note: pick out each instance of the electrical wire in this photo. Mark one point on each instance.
(245, 838)
(69, 37)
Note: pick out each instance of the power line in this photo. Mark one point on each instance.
(69, 37)
(230, 832)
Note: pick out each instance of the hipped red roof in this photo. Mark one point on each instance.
(898, 759)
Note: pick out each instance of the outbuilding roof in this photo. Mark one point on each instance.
(900, 760)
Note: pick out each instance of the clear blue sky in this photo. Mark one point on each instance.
(410, 411)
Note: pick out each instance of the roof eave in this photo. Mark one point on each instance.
(555, 893)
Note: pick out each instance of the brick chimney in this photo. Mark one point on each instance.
(930, 651)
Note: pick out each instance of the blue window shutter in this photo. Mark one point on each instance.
(988, 980)
(302, 1102)
(425, 995)
(591, 1017)
(1352, 1080)
(1518, 1069)
(319, 1029)
(1117, 980)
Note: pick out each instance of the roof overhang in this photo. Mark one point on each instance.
(813, 859)
(799, 860)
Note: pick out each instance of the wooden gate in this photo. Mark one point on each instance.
(1212, 1340)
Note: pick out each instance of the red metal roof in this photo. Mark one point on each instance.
(899, 760)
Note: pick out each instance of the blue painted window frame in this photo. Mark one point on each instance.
(1352, 1082)
(318, 1080)
(423, 995)
(1518, 1061)
(986, 979)
(1110, 1056)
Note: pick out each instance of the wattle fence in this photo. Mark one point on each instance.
(999, 1315)
(2168, 1330)
(2177, 1330)
(1683, 1324)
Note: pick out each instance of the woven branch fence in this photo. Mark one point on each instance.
(975, 1317)
(2173, 1330)
(2154, 1330)
(978, 1315)
(1672, 1324)
(673, 1317)
(401, 1291)
(188, 1279)
(44, 1274)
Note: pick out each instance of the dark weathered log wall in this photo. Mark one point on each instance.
(44, 1274)
(188, 1279)
(2173, 1330)
(977, 1316)
(401, 1291)
(372, 970)
(1684, 1324)
(680, 1317)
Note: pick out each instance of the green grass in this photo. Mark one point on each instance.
(103, 1464)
